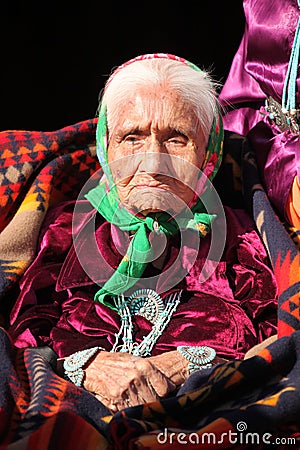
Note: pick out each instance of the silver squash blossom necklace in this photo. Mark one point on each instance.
(148, 304)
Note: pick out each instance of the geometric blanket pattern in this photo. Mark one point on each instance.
(282, 247)
(254, 401)
(37, 170)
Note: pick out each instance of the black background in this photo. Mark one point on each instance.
(54, 61)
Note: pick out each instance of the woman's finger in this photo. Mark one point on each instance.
(142, 392)
(161, 384)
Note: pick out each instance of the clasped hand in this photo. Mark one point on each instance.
(120, 380)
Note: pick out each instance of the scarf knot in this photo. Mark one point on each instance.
(104, 198)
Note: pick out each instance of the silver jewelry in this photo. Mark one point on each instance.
(74, 363)
(199, 357)
(146, 303)
(285, 120)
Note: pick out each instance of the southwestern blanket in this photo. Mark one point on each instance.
(252, 403)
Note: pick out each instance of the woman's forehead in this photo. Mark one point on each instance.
(162, 107)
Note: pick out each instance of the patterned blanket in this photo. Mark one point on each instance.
(37, 170)
(252, 403)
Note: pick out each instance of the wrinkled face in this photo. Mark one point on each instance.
(155, 150)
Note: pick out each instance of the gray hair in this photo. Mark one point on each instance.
(196, 87)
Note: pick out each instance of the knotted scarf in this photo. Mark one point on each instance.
(104, 197)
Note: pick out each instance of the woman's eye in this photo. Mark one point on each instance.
(177, 138)
(131, 139)
(178, 141)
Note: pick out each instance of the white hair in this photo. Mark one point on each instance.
(195, 87)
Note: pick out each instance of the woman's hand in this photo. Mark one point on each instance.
(120, 380)
(175, 366)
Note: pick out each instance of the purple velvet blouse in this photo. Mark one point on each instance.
(234, 309)
(258, 70)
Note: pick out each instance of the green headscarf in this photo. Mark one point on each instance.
(104, 197)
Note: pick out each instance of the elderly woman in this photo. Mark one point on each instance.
(146, 291)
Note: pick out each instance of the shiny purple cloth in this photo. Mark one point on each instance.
(234, 309)
(258, 70)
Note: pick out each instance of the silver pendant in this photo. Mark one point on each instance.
(146, 303)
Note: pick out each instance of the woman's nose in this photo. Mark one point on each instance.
(153, 162)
